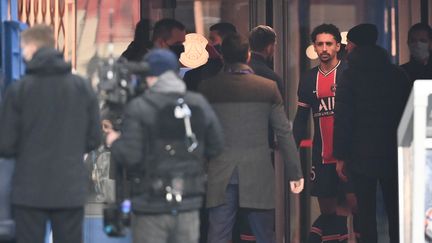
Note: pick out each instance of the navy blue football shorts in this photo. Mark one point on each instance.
(326, 183)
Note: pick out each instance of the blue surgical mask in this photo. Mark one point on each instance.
(419, 50)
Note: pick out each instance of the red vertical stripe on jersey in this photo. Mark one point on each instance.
(325, 94)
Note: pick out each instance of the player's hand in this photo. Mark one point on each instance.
(340, 169)
(297, 186)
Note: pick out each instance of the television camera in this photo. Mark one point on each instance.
(119, 82)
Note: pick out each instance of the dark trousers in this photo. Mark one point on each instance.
(66, 224)
(365, 190)
(223, 217)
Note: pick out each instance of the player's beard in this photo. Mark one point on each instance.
(324, 57)
(327, 59)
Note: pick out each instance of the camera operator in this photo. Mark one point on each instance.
(166, 135)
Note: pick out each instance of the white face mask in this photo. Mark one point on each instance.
(419, 50)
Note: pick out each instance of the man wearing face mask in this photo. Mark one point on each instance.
(167, 33)
(170, 34)
(420, 45)
(214, 64)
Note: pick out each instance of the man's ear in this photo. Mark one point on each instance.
(269, 49)
(160, 43)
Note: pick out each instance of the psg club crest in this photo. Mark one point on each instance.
(333, 88)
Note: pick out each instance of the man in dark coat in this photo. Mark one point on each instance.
(243, 175)
(48, 120)
(369, 103)
(262, 41)
(420, 46)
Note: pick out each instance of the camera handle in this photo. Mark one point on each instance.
(182, 111)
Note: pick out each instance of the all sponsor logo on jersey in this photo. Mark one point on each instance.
(326, 107)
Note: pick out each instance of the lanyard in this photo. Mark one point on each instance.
(240, 72)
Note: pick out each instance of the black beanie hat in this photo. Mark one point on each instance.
(363, 34)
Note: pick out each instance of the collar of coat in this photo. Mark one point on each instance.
(169, 82)
(237, 68)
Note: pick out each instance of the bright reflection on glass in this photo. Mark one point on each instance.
(310, 53)
(195, 53)
(344, 37)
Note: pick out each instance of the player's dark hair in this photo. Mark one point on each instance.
(326, 28)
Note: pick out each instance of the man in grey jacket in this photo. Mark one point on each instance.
(149, 143)
(243, 176)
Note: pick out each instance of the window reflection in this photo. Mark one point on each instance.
(99, 22)
(198, 16)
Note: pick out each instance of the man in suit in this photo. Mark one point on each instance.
(243, 176)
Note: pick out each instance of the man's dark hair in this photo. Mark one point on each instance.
(162, 29)
(420, 27)
(112, 113)
(329, 29)
(235, 49)
(224, 29)
(260, 37)
(142, 31)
